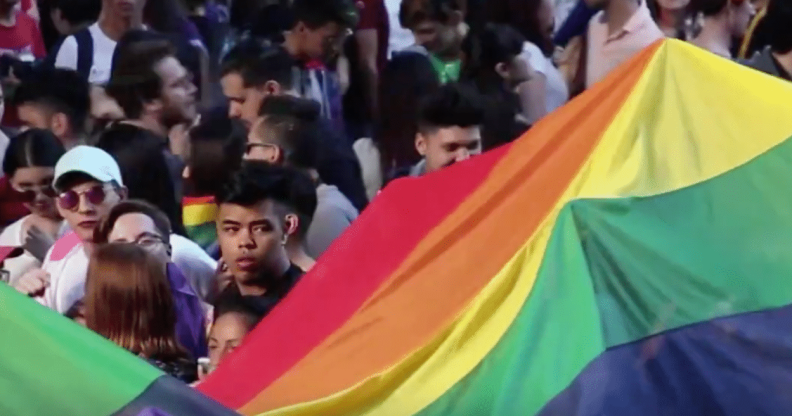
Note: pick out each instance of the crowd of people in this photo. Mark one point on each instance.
(286, 118)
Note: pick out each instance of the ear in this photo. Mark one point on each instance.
(291, 223)
(277, 156)
(502, 69)
(272, 88)
(59, 125)
(421, 143)
(123, 193)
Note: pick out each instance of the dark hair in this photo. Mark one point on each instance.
(165, 16)
(301, 109)
(413, 12)
(34, 147)
(522, 15)
(105, 227)
(133, 81)
(258, 64)
(776, 22)
(495, 44)
(302, 198)
(78, 11)
(301, 145)
(259, 181)
(451, 105)
(317, 13)
(59, 90)
(707, 7)
(144, 169)
(405, 79)
(217, 146)
(239, 306)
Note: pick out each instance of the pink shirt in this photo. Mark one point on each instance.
(67, 264)
(606, 52)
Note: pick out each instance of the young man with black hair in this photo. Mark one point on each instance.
(252, 72)
(90, 51)
(57, 100)
(439, 28)
(449, 128)
(253, 228)
(155, 92)
(776, 58)
(287, 139)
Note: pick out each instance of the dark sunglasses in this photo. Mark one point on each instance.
(69, 200)
(29, 195)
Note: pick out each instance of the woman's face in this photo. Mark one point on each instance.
(226, 334)
(36, 185)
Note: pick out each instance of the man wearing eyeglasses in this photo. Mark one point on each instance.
(89, 184)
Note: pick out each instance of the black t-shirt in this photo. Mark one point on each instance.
(277, 290)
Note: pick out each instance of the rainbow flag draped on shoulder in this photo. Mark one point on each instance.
(628, 256)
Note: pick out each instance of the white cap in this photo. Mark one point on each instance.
(91, 161)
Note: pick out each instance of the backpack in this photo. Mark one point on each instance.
(84, 53)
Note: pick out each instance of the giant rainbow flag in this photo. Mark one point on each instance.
(630, 255)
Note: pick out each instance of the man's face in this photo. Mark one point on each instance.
(126, 9)
(445, 146)
(322, 43)
(243, 103)
(34, 116)
(93, 199)
(140, 229)
(260, 145)
(178, 92)
(251, 239)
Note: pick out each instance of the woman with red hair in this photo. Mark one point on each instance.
(128, 301)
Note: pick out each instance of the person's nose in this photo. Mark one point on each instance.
(234, 110)
(85, 207)
(246, 238)
(462, 154)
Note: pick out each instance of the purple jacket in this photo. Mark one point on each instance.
(190, 318)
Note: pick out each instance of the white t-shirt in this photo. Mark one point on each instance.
(103, 48)
(557, 91)
(198, 267)
(67, 264)
(399, 38)
(13, 236)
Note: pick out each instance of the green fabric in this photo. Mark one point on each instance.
(52, 366)
(205, 235)
(447, 71)
(619, 270)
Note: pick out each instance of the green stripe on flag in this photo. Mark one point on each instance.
(619, 270)
(52, 366)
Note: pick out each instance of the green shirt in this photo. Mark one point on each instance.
(447, 71)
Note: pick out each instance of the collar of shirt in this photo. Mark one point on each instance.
(641, 17)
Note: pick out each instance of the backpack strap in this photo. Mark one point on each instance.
(84, 52)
